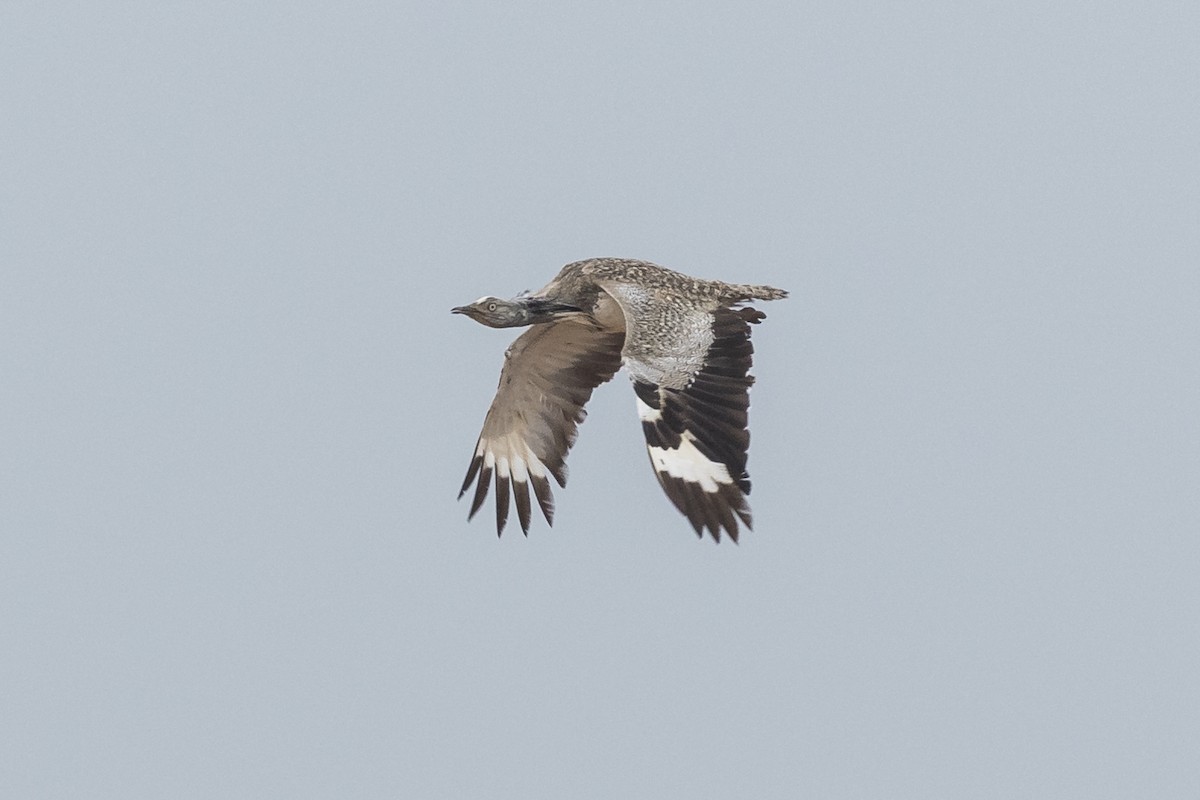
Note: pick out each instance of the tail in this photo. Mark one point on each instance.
(740, 292)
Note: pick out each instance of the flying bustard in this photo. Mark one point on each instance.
(686, 345)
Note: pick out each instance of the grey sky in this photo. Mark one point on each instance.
(236, 409)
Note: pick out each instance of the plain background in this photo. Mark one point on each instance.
(236, 411)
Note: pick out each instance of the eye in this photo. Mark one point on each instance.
(491, 306)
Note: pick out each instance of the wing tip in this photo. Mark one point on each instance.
(472, 471)
(483, 477)
(708, 512)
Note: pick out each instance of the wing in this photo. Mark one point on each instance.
(696, 433)
(548, 376)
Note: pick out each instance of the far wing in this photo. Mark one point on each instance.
(548, 376)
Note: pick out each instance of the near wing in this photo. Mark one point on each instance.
(549, 374)
(697, 436)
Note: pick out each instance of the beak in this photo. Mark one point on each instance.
(459, 310)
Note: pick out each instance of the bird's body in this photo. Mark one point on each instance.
(685, 343)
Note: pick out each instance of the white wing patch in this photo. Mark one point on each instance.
(511, 457)
(689, 464)
(685, 462)
(645, 412)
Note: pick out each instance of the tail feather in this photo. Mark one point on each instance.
(749, 291)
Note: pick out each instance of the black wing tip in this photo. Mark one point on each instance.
(502, 484)
(708, 512)
(472, 471)
(520, 490)
(545, 497)
(483, 477)
(481, 491)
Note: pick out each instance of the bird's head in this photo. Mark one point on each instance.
(526, 310)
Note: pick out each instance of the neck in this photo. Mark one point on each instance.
(543, 310)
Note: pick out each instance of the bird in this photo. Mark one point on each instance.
(685, 343)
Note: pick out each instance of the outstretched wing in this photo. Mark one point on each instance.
(696, 433)
(548, 376)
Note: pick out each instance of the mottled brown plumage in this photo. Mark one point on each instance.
(686, 345)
